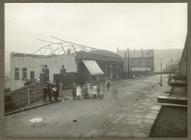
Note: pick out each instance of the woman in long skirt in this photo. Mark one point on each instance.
(94, 91)
(74, 91)
(89, 90)
(78, 92)
(102, 90)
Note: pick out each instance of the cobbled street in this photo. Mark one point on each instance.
(130, 111)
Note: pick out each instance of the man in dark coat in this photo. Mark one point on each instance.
(62, 73)
(108, 84)
(47, 92)
(44, 76)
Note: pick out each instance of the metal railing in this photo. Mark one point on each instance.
(26, 100)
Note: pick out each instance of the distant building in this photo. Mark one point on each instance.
(80, 66)
(137, 62)
(171, 68)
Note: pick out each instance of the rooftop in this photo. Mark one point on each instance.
(136, 53)
(33, 55)
(106, 53)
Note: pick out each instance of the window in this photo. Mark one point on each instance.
(24, 73)
(16, 73)
(32, 75)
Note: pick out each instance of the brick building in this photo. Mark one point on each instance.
(137, 62)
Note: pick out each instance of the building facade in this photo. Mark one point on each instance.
(110, 63)
(137, 62)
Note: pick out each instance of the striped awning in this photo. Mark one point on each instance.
(92, 67)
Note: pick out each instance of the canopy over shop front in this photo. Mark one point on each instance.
(92, 67)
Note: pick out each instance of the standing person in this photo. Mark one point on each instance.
(44, 76)
(49, 91)
(102, 90)
(98, 90)
(94, 91)
(108, 84)
(45, 72)
(85, 91)
(78, 91)
(55, 91)
(89, 88)
(74, 91)
(45, 90)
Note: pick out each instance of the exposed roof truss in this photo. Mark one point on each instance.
(61, 48)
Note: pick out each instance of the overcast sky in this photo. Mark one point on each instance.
(104, 25)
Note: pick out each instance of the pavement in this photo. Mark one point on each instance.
(176, 126)
(128, 109)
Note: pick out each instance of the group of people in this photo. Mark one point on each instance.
(51, 90)
(89, 90)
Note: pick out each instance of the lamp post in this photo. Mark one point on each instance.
(160, 83)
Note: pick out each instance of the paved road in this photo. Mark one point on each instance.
(129, 112)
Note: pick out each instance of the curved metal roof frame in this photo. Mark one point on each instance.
(62, 47)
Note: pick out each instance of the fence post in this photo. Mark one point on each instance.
(28, 96)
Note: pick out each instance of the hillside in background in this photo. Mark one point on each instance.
(168, 56)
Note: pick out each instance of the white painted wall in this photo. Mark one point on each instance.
(33, 63)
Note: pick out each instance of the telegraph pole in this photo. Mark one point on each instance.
(128, 63)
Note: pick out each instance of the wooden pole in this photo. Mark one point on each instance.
(128, 63)
(28, 96)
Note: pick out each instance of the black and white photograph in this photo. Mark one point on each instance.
(96, 70)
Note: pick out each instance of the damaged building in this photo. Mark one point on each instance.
(80, 63)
